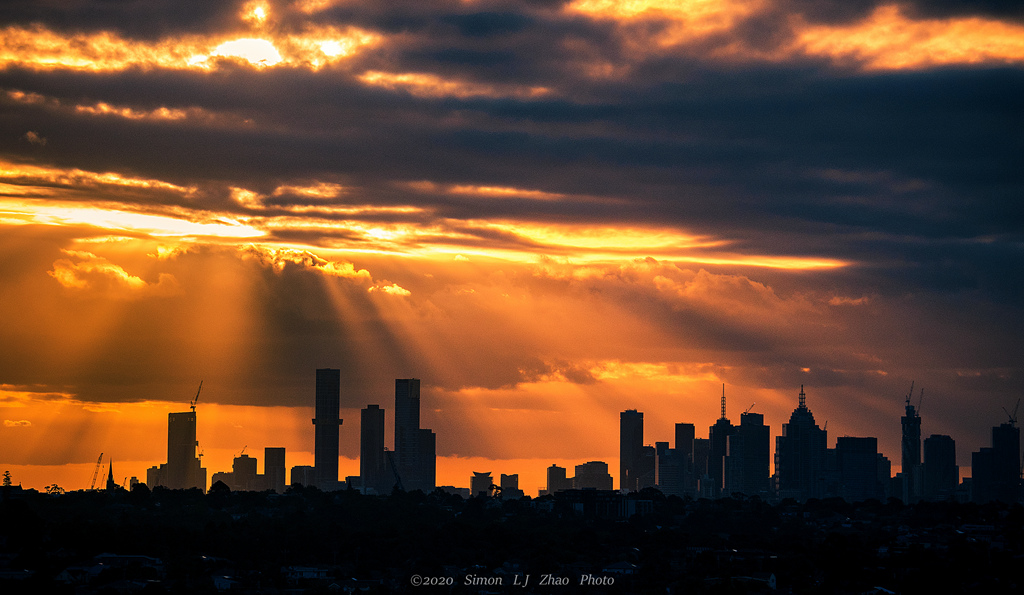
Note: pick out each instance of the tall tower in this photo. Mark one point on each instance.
(415, 447)
(327, 422)
(941, 473)
(631, 444)
(371, 447)
(800, 455)
(719, 436)
(407, 424)
(746, 459)
(911, 452)
(274, 468)
(183, 470)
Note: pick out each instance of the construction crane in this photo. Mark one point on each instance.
(920, 399)
(749, 408)
(196, 398)
(1013, 416)
(911, 393)
(394, 470)
(96, 472)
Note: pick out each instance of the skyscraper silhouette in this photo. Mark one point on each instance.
(631, 444)
(719, 436)
(183, 469)
(371, 449)
(415, 447)
(910, 450)
(800, 455)
(747, 457)
(941, 473)
(327, 422)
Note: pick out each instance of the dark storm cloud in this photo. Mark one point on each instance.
(770, 154)
(845, 11)
(142, 19)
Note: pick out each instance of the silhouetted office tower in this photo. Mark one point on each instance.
(631, 444)
(646, 468)
(941, 473)
(800, 455)
(274, 469)
(671, 467)
(371, 449)
(747, 457)
(243, 470)
(719, 436)
(415, 447)
(304, 475)
(427, 467)
(884, 468)
(183, 469)
(911, 454)
(685, 434)
(996, 470)
(857, 462)
(510, 486)
(702, 484)
(480, 484)
(557, 480)
(327, 422)
(592, 475)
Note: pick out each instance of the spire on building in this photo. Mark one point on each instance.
(111, 486)
(803, 398)
(723, 401)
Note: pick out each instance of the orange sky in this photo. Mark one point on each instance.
(670, 197)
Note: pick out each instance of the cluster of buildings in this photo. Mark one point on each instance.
(733, 459)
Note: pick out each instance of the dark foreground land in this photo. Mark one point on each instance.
(306, 541)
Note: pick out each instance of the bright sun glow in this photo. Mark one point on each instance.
(257, 51)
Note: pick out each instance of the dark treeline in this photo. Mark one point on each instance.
(310, 541)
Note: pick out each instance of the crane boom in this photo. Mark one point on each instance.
(96, 472)
(196, 398)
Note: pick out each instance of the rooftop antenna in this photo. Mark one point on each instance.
(196, 398)
(803, 398)
(723, 401)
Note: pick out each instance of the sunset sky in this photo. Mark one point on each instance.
(547, 211)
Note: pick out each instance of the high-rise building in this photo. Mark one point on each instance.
(685, 435)
(670, 466)
(857, 464)
(702, 483)
(480, 484)
(557, 480)
(910, 451)
(631, 444)
(274, 469)
(304, 475)
(800, 455)
(327, 422)
(719, 436)
(415, 447)
(747, 457)
(371, 449)
(183, 469)
(996, 470)
(243, 469)
(941, 473)
(592, 475)
(510, 486)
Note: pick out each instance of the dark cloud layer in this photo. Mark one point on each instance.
(911, 175)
